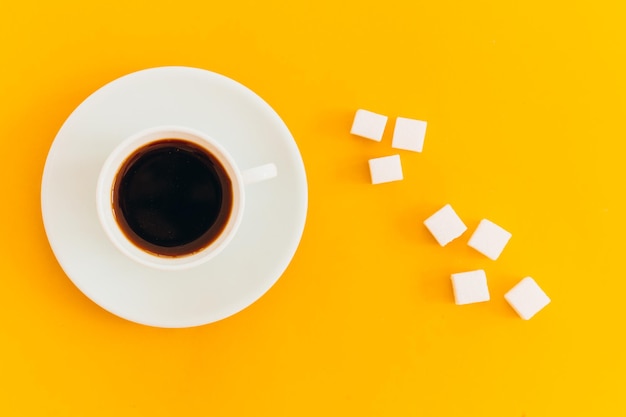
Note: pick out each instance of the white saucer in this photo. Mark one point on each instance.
(245, 125)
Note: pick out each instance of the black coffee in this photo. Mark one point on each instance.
(172, 198)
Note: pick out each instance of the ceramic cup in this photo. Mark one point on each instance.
(122, 198)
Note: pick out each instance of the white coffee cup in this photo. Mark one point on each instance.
(141, 140)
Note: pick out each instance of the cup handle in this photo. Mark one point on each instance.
(260, 173)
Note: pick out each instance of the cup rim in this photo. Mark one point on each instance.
(104, 190)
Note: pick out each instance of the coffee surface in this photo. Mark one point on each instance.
(172, 198)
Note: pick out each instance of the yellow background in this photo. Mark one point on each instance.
(526, 107)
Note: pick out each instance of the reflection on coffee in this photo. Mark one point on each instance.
(172, 198)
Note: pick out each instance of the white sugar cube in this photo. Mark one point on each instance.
(470, 287)
(409, 134)
(385, 169)
(369, 125)
(527, 298)
(489, 239)
(445, 225)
